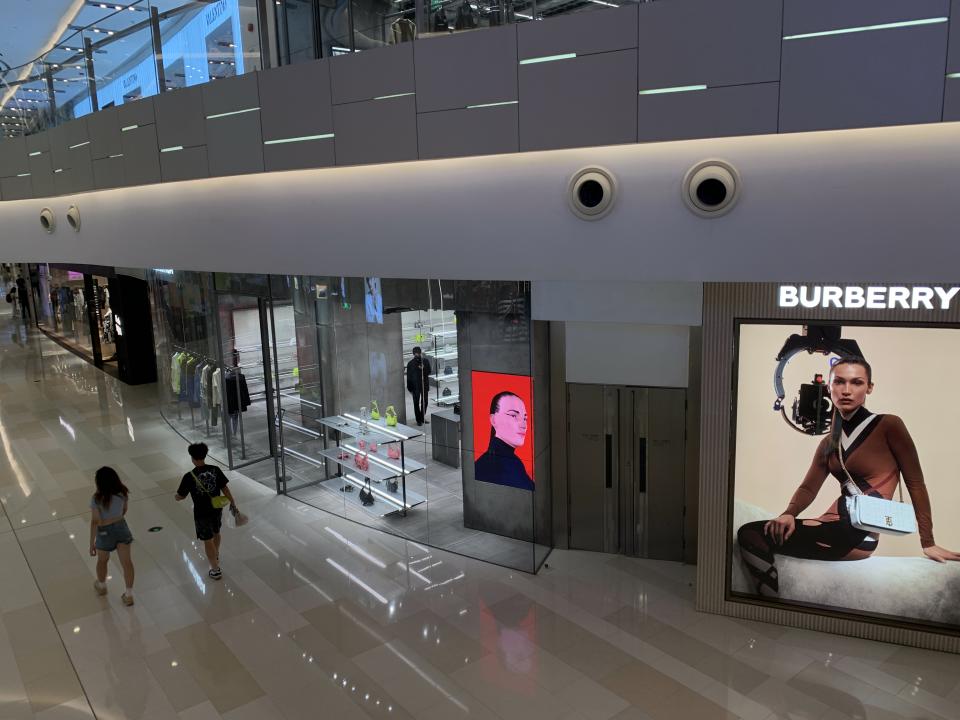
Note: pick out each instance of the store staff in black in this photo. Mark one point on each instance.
(418, 372)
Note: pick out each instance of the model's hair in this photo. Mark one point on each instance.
(108, 484)
(198, 451)
(495, 406)
(854, 360)
(836, 427)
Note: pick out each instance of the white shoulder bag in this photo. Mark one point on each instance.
(875, 514)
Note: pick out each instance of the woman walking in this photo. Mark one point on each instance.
(109, 530)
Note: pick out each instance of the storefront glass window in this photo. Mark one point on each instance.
(417, 407)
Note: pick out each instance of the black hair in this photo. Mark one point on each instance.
(108, 484)
(198, 451)
(836, 427)
(417, 350)
(495, 406)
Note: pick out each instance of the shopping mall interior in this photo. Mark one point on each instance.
(497, 359)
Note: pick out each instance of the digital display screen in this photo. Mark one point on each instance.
(817, 517)
(503, 429)
(71, 275)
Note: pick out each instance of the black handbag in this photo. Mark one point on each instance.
(456, 408)
(392, 485)
(366, 495)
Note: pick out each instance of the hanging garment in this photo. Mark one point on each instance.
(236, 384)
(182, 389)
(440, 22)
(195, 390)
(215, 398)
(175, 373)
(403, 30)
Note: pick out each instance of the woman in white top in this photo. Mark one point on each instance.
(109, 530)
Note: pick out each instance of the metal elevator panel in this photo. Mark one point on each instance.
(625, 451)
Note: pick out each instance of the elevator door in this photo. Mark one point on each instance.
(625, 455)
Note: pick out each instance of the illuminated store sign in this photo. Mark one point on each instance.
(872, 297)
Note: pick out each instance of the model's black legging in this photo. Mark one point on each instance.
(811, 540)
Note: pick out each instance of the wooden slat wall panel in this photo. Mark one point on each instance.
(723, 303)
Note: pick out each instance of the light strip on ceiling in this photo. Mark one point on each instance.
(953, 76)
(388, 97)
(24, 175)
(677, 89)
(129, 127)
(74, 147)
(493, 104)
(115, 156)
(235, 112)
(867, 28)
(548, 58)
(172, 148)
(36, 152)
(302, 138)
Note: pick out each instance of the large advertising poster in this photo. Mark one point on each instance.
(866, 412)
(503, 429)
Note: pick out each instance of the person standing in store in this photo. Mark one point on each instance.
(22, 298)
(207, 485)
(418, 373)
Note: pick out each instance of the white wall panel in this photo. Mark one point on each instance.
(626, 354)
(617, 302)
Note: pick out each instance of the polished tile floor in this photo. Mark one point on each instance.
(317, 617)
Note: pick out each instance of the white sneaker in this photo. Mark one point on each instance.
(100, 587)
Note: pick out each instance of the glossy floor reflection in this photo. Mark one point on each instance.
(319, 617)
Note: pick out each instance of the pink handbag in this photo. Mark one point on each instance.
(393, 452)
(373, 447)
(362, 444)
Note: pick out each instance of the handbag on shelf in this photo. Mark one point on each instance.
(391, 416)
(456, 408)
(393, 452)
(366, 495)
(876, 514)
(447, 392)
(360, 460)
(393, 485)
(374, 410)
(448, 369)
(373, 447)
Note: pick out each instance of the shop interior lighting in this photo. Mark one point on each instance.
(867, 28)
(115, 156)
(604, 2)
(74, 147)
(389, 97)
(953, 76)
(493, 104)
(548, 58)
(235, 112)
(172, 148)
(36, 152)
(129, 127)
(24, 175)
(302, 138)
(676, 89)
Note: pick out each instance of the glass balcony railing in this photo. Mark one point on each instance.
(117, 53)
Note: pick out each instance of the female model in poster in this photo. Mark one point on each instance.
(877, 450)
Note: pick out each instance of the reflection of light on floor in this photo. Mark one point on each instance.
(69, 428)
(414, 572)
(268, 548)
(300, 575)
(358, 581)
(14, 465)
(197, 579)
(446, 582)
(130, 430)
(357, 549)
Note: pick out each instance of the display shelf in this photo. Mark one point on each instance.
(378, 472)
(385, 502)
(377, 430)
(444, 333)
(445, 354)
(449, 377)
(448, 400)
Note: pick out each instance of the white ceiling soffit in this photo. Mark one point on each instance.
(27, 33)
(869, 205)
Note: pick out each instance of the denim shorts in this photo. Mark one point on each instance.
(109, 536)
(208, 525)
